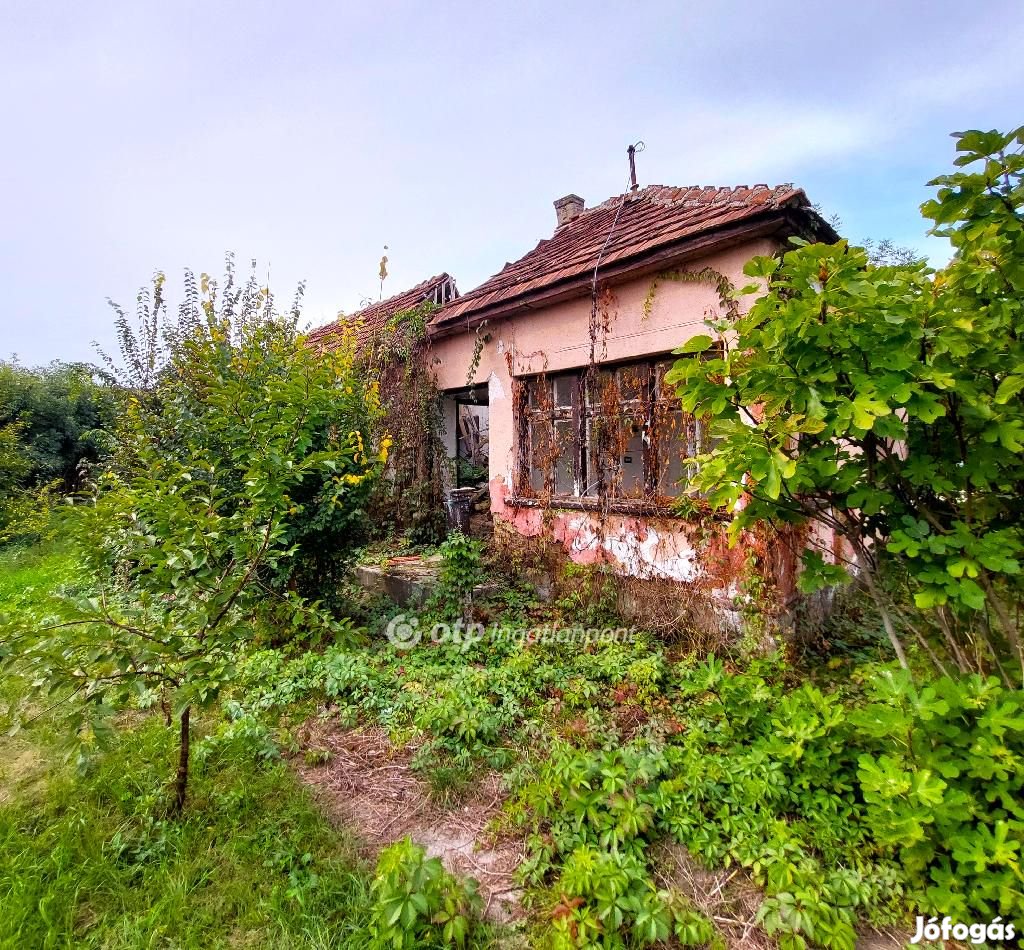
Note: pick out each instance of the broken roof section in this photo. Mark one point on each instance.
(656, 227)
(438, 290)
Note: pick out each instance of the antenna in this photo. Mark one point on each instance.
(383, 272)
(631, 152)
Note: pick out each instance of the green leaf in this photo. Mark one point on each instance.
(696, 344)
(1008, 388)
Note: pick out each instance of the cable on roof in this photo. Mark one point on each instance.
(635, 147)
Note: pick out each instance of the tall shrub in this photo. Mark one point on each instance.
(884, 403)
(245, 438)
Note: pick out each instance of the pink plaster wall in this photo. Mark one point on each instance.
(558, 338)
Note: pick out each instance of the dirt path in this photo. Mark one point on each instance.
(369, 786)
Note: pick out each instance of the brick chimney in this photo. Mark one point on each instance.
(568, 209)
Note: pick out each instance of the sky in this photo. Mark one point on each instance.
(142, 136)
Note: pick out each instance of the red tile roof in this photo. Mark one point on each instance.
(650, 219)
(369, 320)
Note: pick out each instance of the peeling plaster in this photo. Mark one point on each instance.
(495, 391)
(552, 339)
(632, 546)
(650, 554)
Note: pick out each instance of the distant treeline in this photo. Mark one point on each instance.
(56, 421)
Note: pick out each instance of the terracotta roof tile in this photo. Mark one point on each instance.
(369, 320)
(650, 218)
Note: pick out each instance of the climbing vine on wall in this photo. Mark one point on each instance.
(706, 275)
(479, 342)
(411, 498)
(611, 438)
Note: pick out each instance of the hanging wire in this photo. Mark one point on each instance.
(635, 147)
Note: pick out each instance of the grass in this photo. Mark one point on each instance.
(25, 570)
(88, 861)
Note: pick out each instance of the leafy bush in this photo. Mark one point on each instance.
(890, 411)
(461, 571)
(944, 789)
(56, 422)
(608, 897)
(241, 734)
(62, 417)
(840, 806)
(417, 903)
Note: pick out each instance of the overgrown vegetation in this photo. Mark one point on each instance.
(88, 859)
(882, 402)
(241, 471)
(859, 797)
(417, 903)
(410, 502)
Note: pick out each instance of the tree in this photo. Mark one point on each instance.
(14, 466)
(884, 402)
(64, 413)
(195, 521)
(55, 424)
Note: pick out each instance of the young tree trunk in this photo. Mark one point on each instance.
(867, 572)
(181, 779)
(1006, 624)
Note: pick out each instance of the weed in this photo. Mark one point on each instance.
(589, 595)
(419, 904)
(449, 780)
(461, 571)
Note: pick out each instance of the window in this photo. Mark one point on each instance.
(615, 432)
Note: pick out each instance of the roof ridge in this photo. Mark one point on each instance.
(651, 217)
(657, 192)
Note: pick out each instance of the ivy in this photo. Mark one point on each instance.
(396, 358)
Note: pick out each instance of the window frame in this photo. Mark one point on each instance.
(542, 408)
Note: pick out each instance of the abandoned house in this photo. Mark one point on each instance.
(551, 371)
